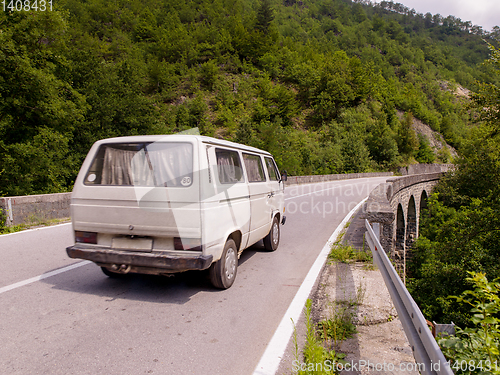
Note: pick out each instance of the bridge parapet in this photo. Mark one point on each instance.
(424, 168)
(394, 207)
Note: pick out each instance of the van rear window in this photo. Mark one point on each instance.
(142, 164)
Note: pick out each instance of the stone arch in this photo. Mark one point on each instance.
(423, 201)
(411, 232)
(422, 206)
(399, 247)
(411, 224)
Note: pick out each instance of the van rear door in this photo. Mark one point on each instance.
(139, 189)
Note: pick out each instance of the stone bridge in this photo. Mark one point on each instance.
(393, 209)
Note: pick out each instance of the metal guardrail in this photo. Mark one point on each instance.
(428, 355)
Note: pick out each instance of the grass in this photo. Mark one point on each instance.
(32, 224)
(316, 358)
(360, 293)
(339, 326)
(342, 252)
(370, 267)
(347, 254)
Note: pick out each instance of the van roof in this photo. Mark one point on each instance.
(180, 137)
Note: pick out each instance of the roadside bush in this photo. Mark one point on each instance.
(477, 347)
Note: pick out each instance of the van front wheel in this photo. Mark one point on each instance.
(223, 272)
(272, 240)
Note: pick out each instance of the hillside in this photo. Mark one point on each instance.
(319, 85)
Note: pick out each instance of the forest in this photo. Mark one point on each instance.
(327, 86)
(454, 270)
(460, 232)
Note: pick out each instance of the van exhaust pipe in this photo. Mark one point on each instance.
(123, 268)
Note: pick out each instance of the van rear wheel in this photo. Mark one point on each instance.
(272, 240)
(223, 272)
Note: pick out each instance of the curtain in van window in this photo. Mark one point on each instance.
(254, 168)
(116, 168)
(228, 166)
(142, 175)
(172, 163)
(156, 164)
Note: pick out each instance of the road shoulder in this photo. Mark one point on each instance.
(380, 345)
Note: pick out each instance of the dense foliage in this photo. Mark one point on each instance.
(476, 350)
(322, 85)
(461, 231)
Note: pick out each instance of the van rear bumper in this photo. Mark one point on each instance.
(137, 260)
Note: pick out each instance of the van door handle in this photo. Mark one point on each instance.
(271, 195)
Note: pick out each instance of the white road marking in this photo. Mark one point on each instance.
(270, 360)
(43, 276)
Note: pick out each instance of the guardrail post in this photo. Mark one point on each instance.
(376, 230)
(10, 217)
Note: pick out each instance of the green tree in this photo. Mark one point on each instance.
(344, 82)
(488, 96)
(265, 15)
(407, 141)
(355, 155)
(323, 72)
(424, 152)
(381, 142)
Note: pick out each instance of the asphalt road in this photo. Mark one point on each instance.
(79, 321)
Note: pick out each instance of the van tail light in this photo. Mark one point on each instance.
(193, 244)
(86, 237)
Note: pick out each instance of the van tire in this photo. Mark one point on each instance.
(223, 272)
(272, 240)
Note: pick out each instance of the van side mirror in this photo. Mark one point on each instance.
(284, 176)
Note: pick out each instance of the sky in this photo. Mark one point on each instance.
(485, 13)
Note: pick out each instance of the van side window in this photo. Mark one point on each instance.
(254, 168)
(228, 166)
(271, 169)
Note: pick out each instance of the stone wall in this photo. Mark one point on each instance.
(33, 209)
(298, 180)
(424, 168)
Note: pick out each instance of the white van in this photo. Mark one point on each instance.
(166, 204)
